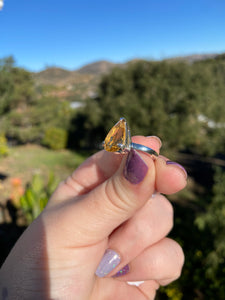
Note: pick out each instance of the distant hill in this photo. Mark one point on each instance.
(97, 68)
(52, 75)
(60, 77)
(91, 73)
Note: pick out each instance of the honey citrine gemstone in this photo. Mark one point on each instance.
(116, 136)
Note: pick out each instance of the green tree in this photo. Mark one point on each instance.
(16, 86)
(6, 83)
(160, 98)
(25, 114)
(213, 222)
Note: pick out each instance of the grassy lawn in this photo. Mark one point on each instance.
(25, 161)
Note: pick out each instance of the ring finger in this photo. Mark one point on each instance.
(161, 262)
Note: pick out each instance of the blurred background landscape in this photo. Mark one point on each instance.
(53, 117)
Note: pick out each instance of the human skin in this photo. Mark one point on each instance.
(106, 203)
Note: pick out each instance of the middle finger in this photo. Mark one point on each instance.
(149, 225)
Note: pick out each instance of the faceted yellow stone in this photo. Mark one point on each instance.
(117, 135)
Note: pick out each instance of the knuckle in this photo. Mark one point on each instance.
(168, 206)
(179, 258)
(145, 232)
(140, 231)
(116, 195)
(181, 261)
(168, 213)
(74, 184)
(149, 230)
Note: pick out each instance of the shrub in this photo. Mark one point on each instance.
(55, 138)
(36, 196)
(4, 150)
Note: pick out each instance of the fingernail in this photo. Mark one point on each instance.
(123, 271)
(156, 138)
(109, 261)
(135, 168)
(136, 283)
(178, 165)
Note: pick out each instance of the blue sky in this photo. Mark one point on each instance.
(71, 33)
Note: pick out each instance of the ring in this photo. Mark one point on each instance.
(119, 140)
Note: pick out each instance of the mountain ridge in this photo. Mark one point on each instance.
(93, 71)
(60, 76)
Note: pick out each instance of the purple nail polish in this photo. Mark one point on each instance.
(109, 261)
(135, 168)
(123, 271)
(178, 165)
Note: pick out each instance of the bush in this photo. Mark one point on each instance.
(36, 196)
(4, 150)
(55, 138)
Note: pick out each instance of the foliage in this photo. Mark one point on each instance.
(25, 113)
(55, 138)
(172, 291)
(16, 87)
(36, 196)
(4, 150)
(201, 234)
(174, 100)
(213, 221)
(30, 125)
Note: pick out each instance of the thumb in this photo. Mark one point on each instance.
(114, 201)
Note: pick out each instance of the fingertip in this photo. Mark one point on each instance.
(177, 165)
(171, 177)
(155, 139)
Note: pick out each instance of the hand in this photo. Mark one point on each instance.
(106, 203)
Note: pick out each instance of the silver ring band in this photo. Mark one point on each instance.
(143, 148)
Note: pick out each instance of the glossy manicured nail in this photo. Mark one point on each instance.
(135, 168)
(136, 283)
(123, 271)
(177, 165)
(156, 138)
(109, 261)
